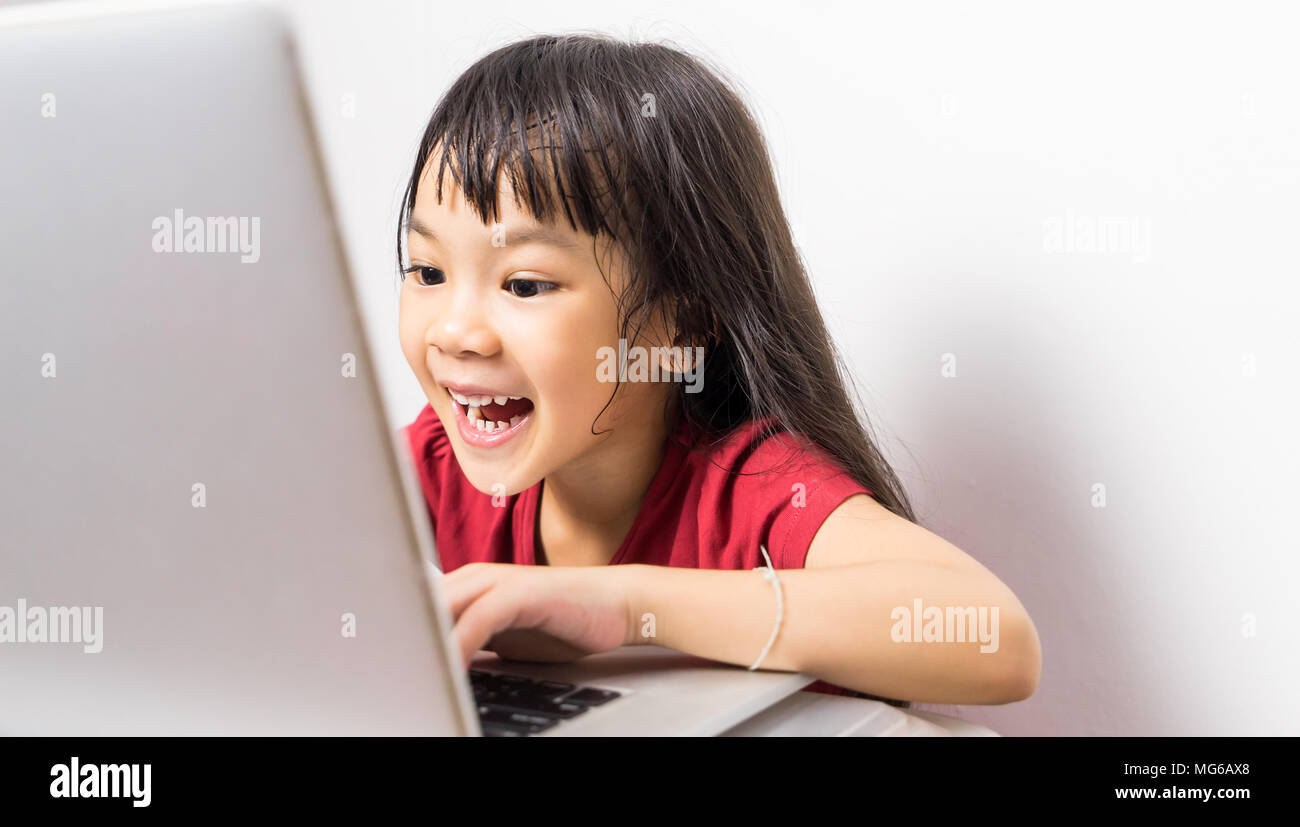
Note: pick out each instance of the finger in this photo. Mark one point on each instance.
(495, 611)
(466, 584)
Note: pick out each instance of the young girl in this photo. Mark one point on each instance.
(634, 401)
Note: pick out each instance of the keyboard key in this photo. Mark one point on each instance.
(503, 731)
(514, 705)
(523, 703)
(528, 721)
(485, 681)
(532, 691)
(591, 696)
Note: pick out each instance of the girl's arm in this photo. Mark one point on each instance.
(843, 611)
(865, 572)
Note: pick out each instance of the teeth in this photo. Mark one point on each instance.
(475, 416)
(474, 411)
(480, 401)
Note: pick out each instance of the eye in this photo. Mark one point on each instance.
(529, 288)
(426, 276)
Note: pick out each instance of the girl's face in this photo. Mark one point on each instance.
(518, 309)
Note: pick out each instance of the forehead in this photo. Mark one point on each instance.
(432, 217)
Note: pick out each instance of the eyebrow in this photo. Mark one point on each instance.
(529, 234)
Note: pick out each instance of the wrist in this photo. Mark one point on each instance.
(640, 622)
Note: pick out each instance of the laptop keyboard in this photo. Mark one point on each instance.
(512, 705)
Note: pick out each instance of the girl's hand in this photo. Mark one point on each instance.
(538, 613)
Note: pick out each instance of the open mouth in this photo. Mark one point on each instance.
(490, 414)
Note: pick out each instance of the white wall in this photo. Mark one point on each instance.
(928, 154)
(925, 151)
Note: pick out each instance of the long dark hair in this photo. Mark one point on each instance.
(646, 144)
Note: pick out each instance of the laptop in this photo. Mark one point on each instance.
(208, 525)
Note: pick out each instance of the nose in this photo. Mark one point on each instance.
(462, 325)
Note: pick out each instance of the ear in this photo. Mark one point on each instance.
(680, 359)
(715, 335)
(684, 357)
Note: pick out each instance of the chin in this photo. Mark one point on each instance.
(481, 476)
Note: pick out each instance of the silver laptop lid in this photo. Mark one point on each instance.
(200, 499)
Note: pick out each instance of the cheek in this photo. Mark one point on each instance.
(568, 377)
(559, 358)
(410, 331)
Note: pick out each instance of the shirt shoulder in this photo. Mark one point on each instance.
(430, 450)
(468, 525)
(762, 485)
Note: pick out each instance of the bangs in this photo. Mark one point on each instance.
(526, 119)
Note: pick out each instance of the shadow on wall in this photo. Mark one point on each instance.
(1010, 461)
